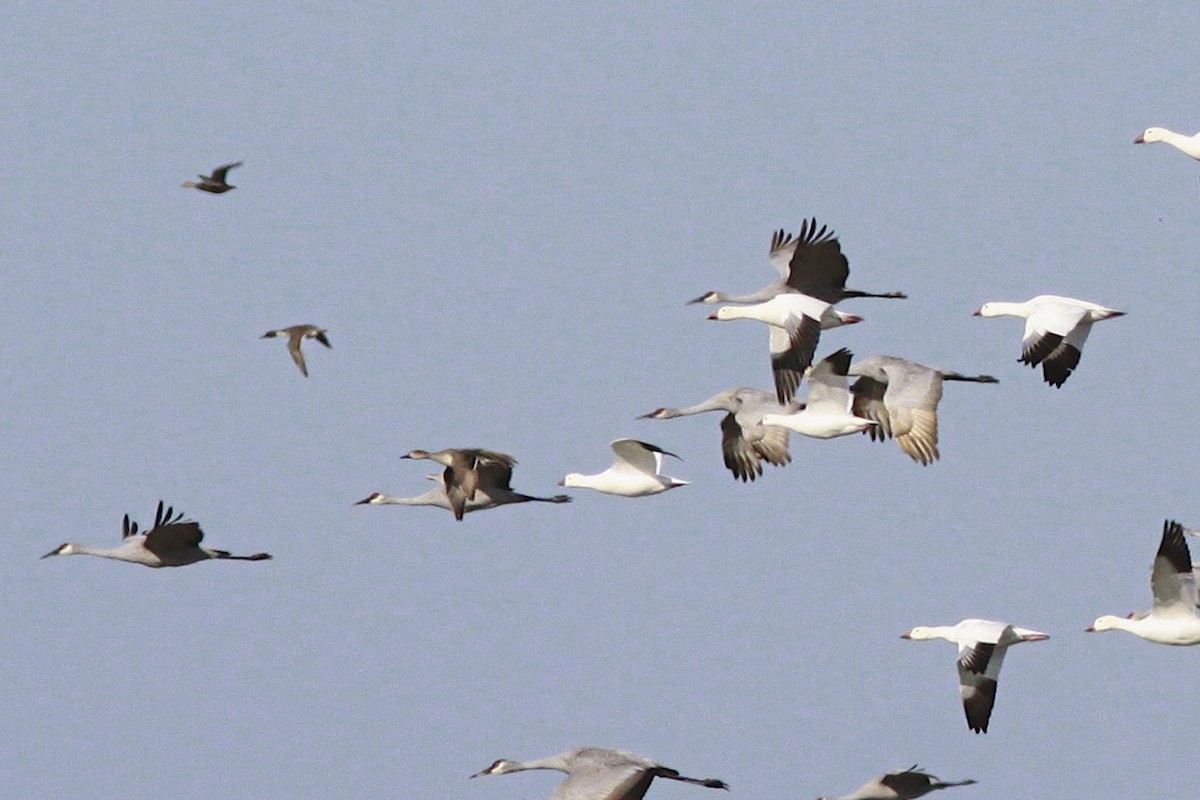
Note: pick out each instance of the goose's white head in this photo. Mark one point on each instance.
(988, 310)
(728, 312)
(1151, 135)
(1108, 622)
(575, 479)
(918, 633)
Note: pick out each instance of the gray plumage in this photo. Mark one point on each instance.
(469, 470)
(745, 441)
(902, 784)
(902, 397)
(172, 542)
(595, 773)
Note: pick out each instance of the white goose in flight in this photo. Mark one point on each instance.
(1173, 619)
(796, 322)
(1055, 329)
(982, 644)
(636, 472)
(1189, 145)
(826, 412)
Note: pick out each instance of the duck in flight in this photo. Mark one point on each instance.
(297, 334)
(215, 183)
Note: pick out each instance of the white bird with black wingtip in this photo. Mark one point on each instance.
(982, 644)
(636, 472)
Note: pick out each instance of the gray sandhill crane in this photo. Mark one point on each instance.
(745, 441)
(811, 263)
(487, 495)
(902, 396)
(172, 542)
(595, 773)
(901, 784)
(297, 334)
(215, 183)
(468, 470)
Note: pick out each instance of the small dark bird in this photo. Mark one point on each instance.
(214, 183)
(297, 334)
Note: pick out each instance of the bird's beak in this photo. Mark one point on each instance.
(363, 502)
(850, 319)
(1089, 628)
(713, 316)
(977, 312)
(477, 774)
(406, 455)
(906, 635)
(53, 552)
(563, 482)
(699, 299)
(1139, 139)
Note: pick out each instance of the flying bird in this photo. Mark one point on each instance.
(297, 334)
(982, 644)
(215, 183)
(1173, 619)
(469, 470)
(902, 396)
(810, 263)
(745, 441)
(595, 773)
(636, 472)
(1055, 330)
(493, 490)
(796, 322)
(901, 784)
(172, 542)
(826, 412)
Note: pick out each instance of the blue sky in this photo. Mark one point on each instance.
(499, 213)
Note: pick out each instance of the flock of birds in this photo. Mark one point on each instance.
(890, 398)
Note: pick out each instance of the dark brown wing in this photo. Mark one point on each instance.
(818, 267)
(219, 173)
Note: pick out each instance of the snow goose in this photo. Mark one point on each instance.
(1055, 330)
(1185, 144)
(598, 773)
(297, 334)
(901, 784)
(796, 322)
(1173, 619)
(811, 263)
(826, 412)
(636, 472)
(215, 183)
(981, 647)
(745, 441)
(902, 396)
(172, 542)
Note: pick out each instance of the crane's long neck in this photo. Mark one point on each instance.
(713, 404)
(550, 762)
(116, 553)
(433, 498)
